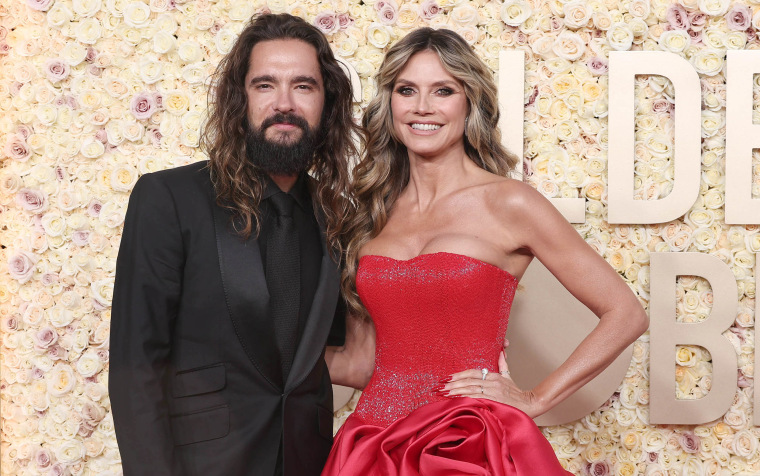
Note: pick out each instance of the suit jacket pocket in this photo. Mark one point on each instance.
(198, 381)
(325, 422)
(201, 426)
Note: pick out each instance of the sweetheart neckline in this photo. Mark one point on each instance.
(470, 258)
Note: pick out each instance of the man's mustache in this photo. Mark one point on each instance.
(281, 118)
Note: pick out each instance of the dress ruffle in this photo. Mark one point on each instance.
(460, 436)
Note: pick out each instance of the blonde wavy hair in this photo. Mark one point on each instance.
(383, 171)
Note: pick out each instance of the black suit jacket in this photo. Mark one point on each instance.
(193, 366)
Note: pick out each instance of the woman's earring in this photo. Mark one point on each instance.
(465, 125)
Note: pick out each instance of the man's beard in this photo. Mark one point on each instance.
(278, 157)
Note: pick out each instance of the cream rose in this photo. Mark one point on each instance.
(378, 35)
(620, 37)
(714, 7)
(577, 14)
(515, 12)
(569, 46)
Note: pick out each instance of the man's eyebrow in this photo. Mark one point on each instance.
(268, 78)
(265, 78)
(306, 79)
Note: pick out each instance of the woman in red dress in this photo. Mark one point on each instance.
(437, 245)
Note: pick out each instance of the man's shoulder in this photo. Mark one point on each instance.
(186, 177)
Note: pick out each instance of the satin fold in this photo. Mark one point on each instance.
(460, 436)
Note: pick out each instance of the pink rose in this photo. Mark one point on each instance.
(45, 337)
(387, 14)
(43, 458)
(93, 209)
(155, 136)
(345, 20)
(101, 136)
(32, 200)
(80, 237)
(92, 53)
(661, 105)
(689, 442)
(39, 5)
(21, 266)
(56, 70)
(739, 17)
(57, 352)
(696, 37)
(24, 131)
(697, 20)
(143, 105)
(93, 70)
(429, 9)
(49, 278)
(9, 323)
(677, 17)
(598, 468)
(17, 149)
(327, 22)
(598, 65)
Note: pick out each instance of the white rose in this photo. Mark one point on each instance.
(92, 148)
(378, 35)
(86, 8)
(165, 22)
(190, 51)
(89, 364)
(59, 14)
(674, 41)
(577, 14)
(194, 73)
(70, 451)
(73, 53)
(137, 15)
(620, 37)
(569, 46)
(88, 31)
(714, 7)
(712, 122)
(224, 40)
(241, 11)
(735, 40)
(708, 62)
(151, 70)
(515, 12)
(639, 8)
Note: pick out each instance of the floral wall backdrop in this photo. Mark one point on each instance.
(94, 93)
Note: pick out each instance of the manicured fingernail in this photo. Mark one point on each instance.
(445, 379)
(438, 388)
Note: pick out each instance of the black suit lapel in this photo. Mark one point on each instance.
(245, 290)
(320, 317)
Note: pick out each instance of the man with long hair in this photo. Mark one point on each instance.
(227, 280)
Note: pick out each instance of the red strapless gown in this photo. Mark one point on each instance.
(435, 315)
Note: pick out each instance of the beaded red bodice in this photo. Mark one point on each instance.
(435, 315)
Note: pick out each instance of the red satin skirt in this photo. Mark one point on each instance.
(460, 436)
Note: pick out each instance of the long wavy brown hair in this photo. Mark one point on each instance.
(383, 172)
(238, 183)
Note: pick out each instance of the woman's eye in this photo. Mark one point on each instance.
(445, 92)
(405, 91)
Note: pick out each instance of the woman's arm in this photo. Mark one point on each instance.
(538, 227)
(352, 364)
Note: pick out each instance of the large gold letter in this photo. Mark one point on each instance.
(624, 66)
(741, 137)
(665, 333)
